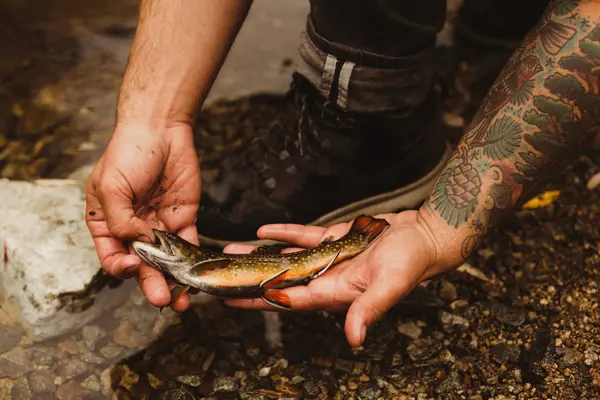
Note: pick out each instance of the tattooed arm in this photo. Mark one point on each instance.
(540, 109)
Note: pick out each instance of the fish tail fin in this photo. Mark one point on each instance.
(369, 226)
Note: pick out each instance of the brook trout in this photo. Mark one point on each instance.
(261, 273)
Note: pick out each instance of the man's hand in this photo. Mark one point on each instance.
(368, 285)
(143, 180)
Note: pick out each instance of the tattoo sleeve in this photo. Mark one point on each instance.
(540, 109)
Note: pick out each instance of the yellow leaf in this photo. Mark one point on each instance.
(542, 200)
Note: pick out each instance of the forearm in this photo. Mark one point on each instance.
(177, 52)
(541, 108)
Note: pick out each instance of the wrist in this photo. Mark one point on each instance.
(447, 242)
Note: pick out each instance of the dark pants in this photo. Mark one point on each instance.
(377, 55)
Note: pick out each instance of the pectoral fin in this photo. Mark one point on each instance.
(210, 264)
(278, 299)
(322, 271)
(177, 292)
(273, 280)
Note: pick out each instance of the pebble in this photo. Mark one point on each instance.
(91, 383)
(507, 315)
(106, 381)
(71, 368)
(15, 363)
(10, 335)
(190, 380)
(505, 353)
(310, 388)
(71, 391)
(127, 335)
(21, 389)
(42, 381)
(450, 321)
(369, 391)
(594, 182)
(423, 349)
(572, 356)
(227, 384)
(92, 334)
(6, 386)
(448, 291)
(410, 329)
(112, 351)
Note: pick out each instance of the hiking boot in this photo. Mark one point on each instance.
(320, 165)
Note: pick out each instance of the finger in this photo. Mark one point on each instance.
(301, 235)
(379, 297)
(117, 207)
(154, 286)
(236, 248)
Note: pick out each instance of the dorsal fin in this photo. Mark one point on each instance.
(208, 264)
(369, 226)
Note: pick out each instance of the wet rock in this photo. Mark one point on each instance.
(42, 381)
(21, 389)
(14, 363)
(178, 394)
(505, 353)
(449, 385)
(112, 351)
(71, 368)
(92, 334)
(410, 329)
(572, 356)
(106, 382)
(91, 383)
(190, 380)
(142, 318)
(448, 291)
(50, 257)
(128, 335)
(228, 328)
(9, 337)
(451, 321)
(506, 315)
(423, 349)
(311, 388)
(6, 386)
(369, 391)
(227, 384)
(91, 358)
(71, 391)
(43, 355)
(128, 377)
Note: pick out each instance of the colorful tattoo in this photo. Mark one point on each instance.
(540, 109)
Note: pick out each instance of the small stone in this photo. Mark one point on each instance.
(558, 342)
(505, 353)
(129, 378)
(70, 391)
(154, 382)
(6, 386)
(449, 385)
(190, 380)
(112, 351)
(352, 385)
(311, 388)
(423, 349)
(228, 328)
(448, 291)
(127, 335)
(227, 384)
(42, 381)
(507, 315)
(410, 329)
(21, 389)
(264, 371)
(9, 337)
(459, 304)
(572, 356)
(71, 368)
(106, 383)
(450, 321)
(15, 363)
(92, 334)
(91, 357)
(91, 383)
(43, 355)
(70, 347)
(369, 391)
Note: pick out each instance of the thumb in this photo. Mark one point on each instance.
(379, 297)
(120, 217)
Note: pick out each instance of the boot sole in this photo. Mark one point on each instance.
(406, 198)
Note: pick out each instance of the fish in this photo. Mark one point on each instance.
(263, 273)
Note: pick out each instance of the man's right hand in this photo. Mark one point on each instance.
(145, 179)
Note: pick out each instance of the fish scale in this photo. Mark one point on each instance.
(261, 273)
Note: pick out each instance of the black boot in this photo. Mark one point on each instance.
(321, 165)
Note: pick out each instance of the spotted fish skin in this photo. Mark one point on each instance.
(261, 273)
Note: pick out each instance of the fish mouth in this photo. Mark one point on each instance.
(161, 254)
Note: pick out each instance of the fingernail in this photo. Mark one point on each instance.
(363, 334)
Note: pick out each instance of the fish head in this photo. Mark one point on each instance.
(169, 253)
